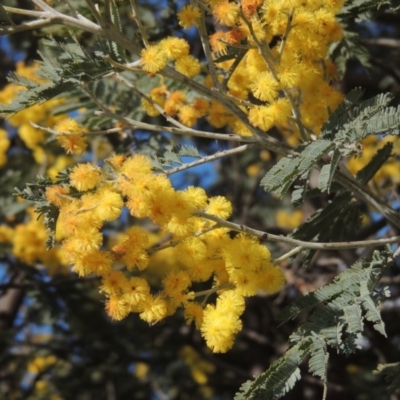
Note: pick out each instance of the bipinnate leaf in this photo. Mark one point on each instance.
(337, 322)
(288, 169)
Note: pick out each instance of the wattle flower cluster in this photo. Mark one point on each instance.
(234, 267)
(282, 78)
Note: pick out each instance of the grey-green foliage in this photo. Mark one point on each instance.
(172, 156)
(288, 169)
(351, 122)
(351, 46)
(64, 67)
(116, 52)
(340, 311)
(391, 374)
(36, 193)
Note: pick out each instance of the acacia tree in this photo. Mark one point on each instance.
(116, 107)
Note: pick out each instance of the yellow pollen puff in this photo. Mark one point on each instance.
(68, 126)
(193, 313)
(116, 161)
(265, 88)
(72, 143)
(201, 106)
(217, 116)
(217, 42)
(219, 327)
(188, 66)
(136, 165)
(109, 204)
(219, 206)
(85, 177)
(226, 13)
(116, 308)
(151, 111)
(175, 47)
(137, 292)
(155, 309)
(176, 282)
(153, 59)
(231, 301)
(271, 280)
(114, 282)
(55, 195)
(188, 115)
(99, 262)
(85, 241)
(190, 250)
(174, 102)
(189, 16)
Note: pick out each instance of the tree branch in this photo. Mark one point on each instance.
(294, 242)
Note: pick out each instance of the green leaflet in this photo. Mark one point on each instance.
(352, 314)
(328, 171)
(87, 71)
(381, 156)
(318, 362)
(117, 53)
(373, 314)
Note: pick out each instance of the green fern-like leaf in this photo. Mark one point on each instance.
(337, 322)
(287, 170)
(341, 115)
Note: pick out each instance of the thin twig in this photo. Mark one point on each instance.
(139, 23)
(265, 51)
(235, 64)
(207, 51)
(286, 34)
(294, 242)
(29, 13)
(93, 97)
(72, 9)
(173, 121)
(289, 254)
(159, 247)
(95, 13)
(207, 292)
(215, 156)
(177, 131)
(93, 133)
